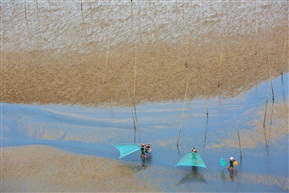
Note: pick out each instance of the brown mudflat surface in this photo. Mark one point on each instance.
(157, 73)
(119, 54)
(44, 169)
(124, 53)
(269, 131)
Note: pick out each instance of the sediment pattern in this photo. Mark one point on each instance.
(124, 53)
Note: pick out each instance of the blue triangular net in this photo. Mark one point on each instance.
(126, 149)
(192, 159)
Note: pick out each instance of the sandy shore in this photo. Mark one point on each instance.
(125, 53)
(160, 73)
(44, 169)
(137, 52)
(269, 132)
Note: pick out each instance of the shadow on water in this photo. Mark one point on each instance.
(193, 176)
(228, 176)
(144, 164)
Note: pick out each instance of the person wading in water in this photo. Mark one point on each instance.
(231, 161)
(142, 148)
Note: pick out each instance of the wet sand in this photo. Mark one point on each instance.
(141, 56)
(44, 169)
(269, 132)
(158, 75)
(49, 64)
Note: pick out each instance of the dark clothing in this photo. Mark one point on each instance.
(142, 150)
(232, 163)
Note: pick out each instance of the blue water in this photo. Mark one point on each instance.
(93, 130)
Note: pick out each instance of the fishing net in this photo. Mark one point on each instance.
(192, 159)
(223, 162)
(126, 149)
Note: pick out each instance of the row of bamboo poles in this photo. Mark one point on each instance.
(270, 87)
(132, 100)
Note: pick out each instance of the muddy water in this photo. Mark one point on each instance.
(117, 52)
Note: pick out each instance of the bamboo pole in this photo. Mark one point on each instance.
(272, 89)
(270, 77)
(226, 20)
(132, 113)
(134, 83)
(256, 28)
(237, 130)
(187, 37)
(204, 90)
(187, 45)
(183, 111)
(256, 24)
(25, 14)
(284, 49)
(26, 21)
(284, 98)
(285, 60)
(107, 57)
(206, 131)
(135, 63)
(207, 107)
(267, 96)
(187, 84)
(220, 64)
(284, 63)
(271, 122)
(266, 106)
(264, 120)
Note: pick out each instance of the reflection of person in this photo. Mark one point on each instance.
(231, 161)
(195, 170)
(232, 177)
(143, 164)
(142, 148)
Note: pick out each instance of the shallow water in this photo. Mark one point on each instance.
(58, 34)
(92, 130)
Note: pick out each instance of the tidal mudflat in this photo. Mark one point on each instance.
(77, 77)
